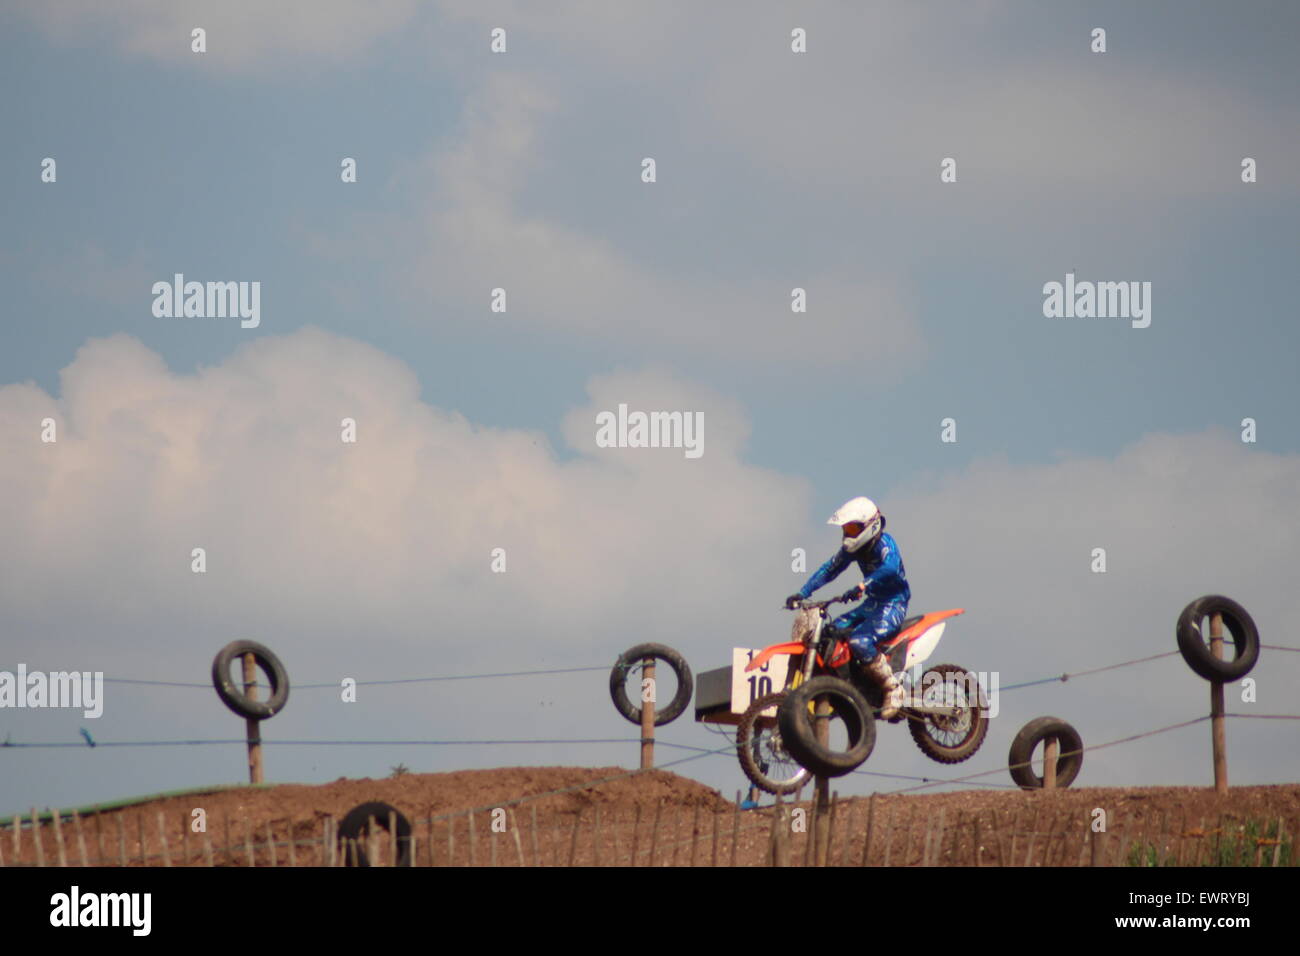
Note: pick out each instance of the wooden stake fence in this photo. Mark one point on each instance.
(879, 833)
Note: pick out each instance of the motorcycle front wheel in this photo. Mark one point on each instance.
(851, 728)
(762, 752)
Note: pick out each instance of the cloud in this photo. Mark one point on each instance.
(244, 459)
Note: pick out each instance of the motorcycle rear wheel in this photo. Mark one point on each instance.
(763, 755)
(952, 739)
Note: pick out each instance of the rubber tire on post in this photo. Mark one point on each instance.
(745, 749)
(1033, 733)
(918, 725)
(800, 737)
(1236, 621)
(633, 656)
(233, 696)
(357, 823)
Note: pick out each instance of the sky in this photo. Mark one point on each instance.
(523, 170)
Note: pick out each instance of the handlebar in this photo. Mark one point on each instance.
(810, 605)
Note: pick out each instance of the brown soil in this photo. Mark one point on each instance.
(685, 822)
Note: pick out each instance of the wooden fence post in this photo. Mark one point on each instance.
(162, 838)
(735, 829)
(270, 844)
(1218, 730)
(715, 815)
(648, 715)
(677, 840)
(251, 726)
(824, 841)
(514, 828)
(537, 860)
(1000, 836)
(935, 850)
(780, 836)
(654, 833)
(871, 822)
(58, 838)
(957, 831)
(1033, 836)
(573, 843)
(889, 837)
(1063, 828)
(695, 834)
(636, 835)
(850, 817)
(615, 846)
(36, 836)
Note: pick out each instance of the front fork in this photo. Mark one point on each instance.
(810, 643)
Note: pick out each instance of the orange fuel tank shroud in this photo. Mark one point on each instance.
(926, 622)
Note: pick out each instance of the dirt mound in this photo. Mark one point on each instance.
(420, 796)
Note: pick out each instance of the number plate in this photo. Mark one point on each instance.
(747, 687)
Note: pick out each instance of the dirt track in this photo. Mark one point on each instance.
(1186, 816)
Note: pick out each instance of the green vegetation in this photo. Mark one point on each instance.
(1252, 843)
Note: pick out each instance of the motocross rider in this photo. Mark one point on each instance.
(884, 585)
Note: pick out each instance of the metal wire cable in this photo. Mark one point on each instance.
(575, 670)
(1095, 670)
(335, 743)
(334, 685)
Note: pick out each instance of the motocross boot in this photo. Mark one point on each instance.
(878, 670)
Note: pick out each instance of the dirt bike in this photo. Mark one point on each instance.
(777, 741)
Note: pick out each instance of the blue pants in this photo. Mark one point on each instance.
(870, 623)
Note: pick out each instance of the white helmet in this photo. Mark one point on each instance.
(859, 515)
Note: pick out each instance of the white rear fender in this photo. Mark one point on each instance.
(924, 645)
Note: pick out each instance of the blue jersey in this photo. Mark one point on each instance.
(882, 569)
